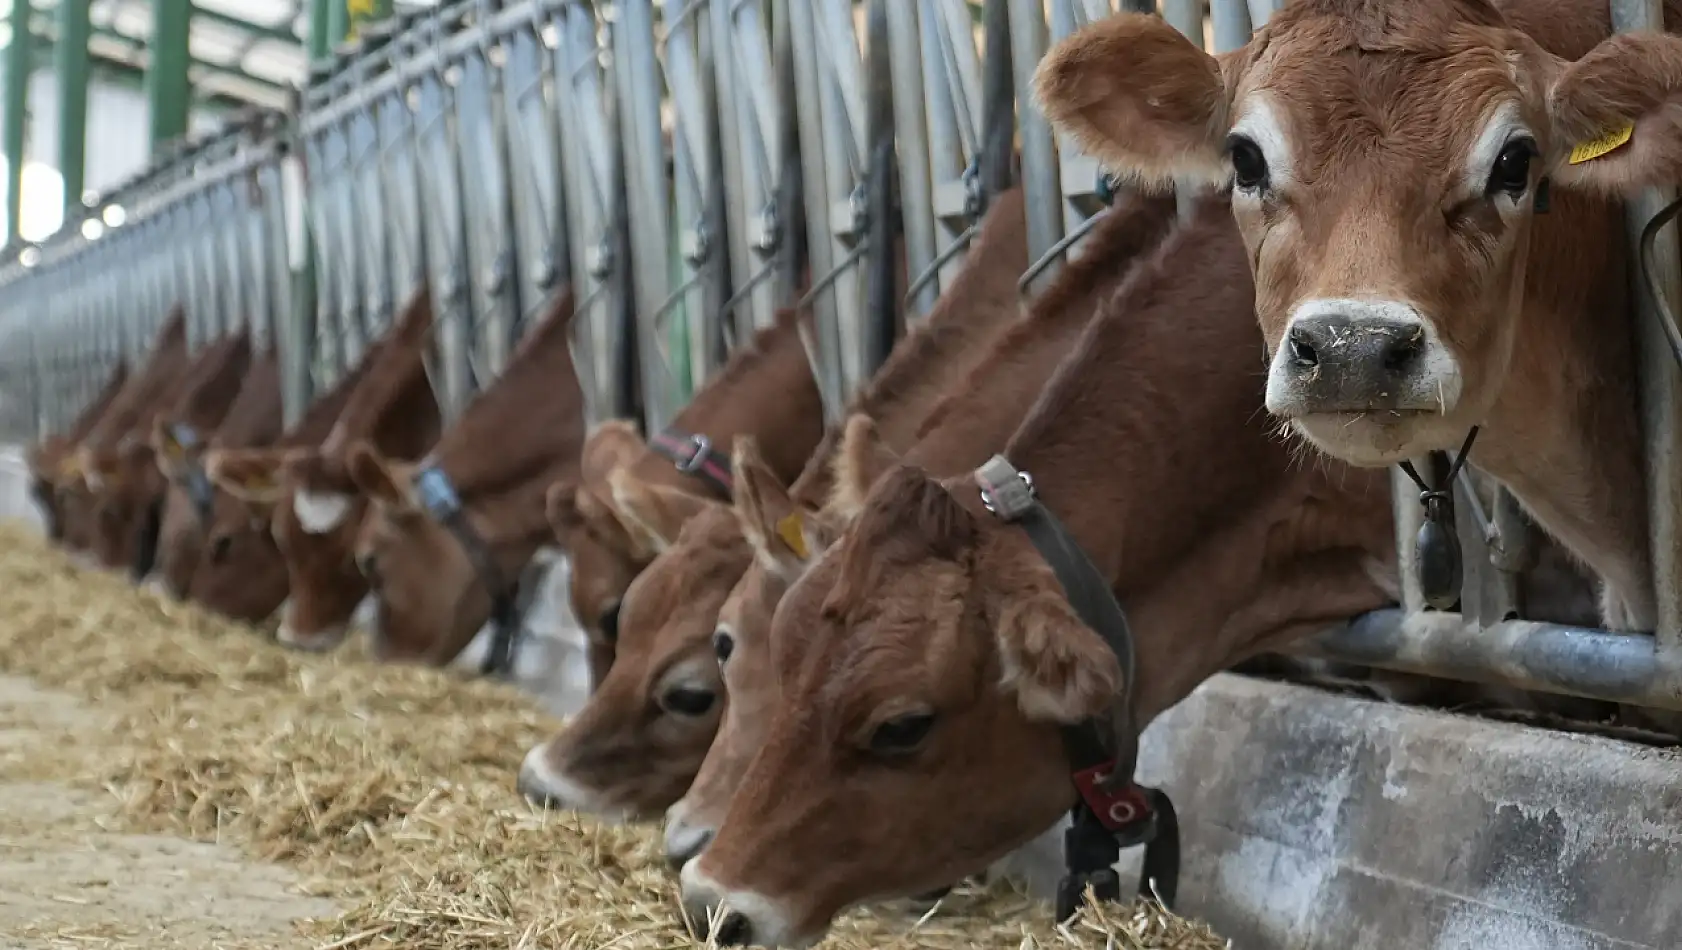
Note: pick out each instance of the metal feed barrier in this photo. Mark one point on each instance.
(688, 168)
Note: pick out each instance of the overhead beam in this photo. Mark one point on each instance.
(139, 48)
(168, 89)
(20, 59)
(282, 34)
(71, 63)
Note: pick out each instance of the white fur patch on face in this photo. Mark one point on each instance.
(1436, 383)
(320, 511)
(1260, 122)
(538, 779)
(1503, 126)
(769, 923)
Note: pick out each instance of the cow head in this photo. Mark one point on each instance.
(432, 599)
(638, 742)
(786, 540)
(189, 503)
(317, 514)
(240, 573)
(1385, 164)
(926, 664)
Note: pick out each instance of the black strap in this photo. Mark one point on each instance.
(1113, 811)
(1436, 548)
(439, 499)
(195, 481)
(695, 455)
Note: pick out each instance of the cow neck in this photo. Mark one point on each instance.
(767, 391)
(940, 350)
(984, 410)
(1137, 442)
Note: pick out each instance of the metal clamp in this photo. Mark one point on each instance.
(437, 495)
(703, 451)
(1005, 492)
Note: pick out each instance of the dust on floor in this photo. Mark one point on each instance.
(67, 880)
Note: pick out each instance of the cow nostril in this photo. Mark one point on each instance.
(1401, 353)
(1302, 349)
(734, 931)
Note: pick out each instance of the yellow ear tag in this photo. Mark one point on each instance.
(788, 528)
(1594, 148)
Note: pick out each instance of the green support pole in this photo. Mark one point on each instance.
(363, 12)
(338, 23)
(319, 28)
(20, 54)
(71, 58)
(169, 95)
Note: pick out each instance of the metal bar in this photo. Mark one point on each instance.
(71, 59)
(998, 101)
(1549, 658)
(338, 22)
(281, 34)
(1661, 397)
(19, 59)
(1041, 177)
(879, 315)
(915, 124)
(168, 92)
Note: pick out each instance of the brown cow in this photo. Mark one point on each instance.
(660, 724)
(766, 389)
(978, 412)
(1389, 164)
(119, 435)
(499, 456)
(317, 510)
(180, 442)
(931, 652)
(242, 573)
(64, 509)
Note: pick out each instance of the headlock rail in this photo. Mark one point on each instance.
(687, 168)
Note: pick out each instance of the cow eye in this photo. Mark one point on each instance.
(1511, 172)
(1249, 165)
(219, 547)
(687, 701)
(901, 734)
(723, 645)
(609, 623)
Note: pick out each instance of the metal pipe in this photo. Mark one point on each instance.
(1040, 175)
(1661, 397)
(168, 93)
(998, 101)
(1549, 658)
(880, 314)
(19, 53)
(71, 59)
(912, 119)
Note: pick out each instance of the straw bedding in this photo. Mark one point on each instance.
(391, 789)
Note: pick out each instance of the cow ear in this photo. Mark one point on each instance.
(654, 512)
(863, 457)
(612, 444)
(770, 520)
(1141, 98)
(560, 505)
(1616, 114)
(378, 477)
(251, 475)
(1059, 668)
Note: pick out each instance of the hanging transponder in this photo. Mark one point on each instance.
(1436, 553)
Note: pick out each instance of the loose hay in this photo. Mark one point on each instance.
(391, 789)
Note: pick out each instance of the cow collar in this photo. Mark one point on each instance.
(695, 455)
(195, 481)
(1114, 811)
(439, 499)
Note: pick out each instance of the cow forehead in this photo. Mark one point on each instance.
(1416, 109)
